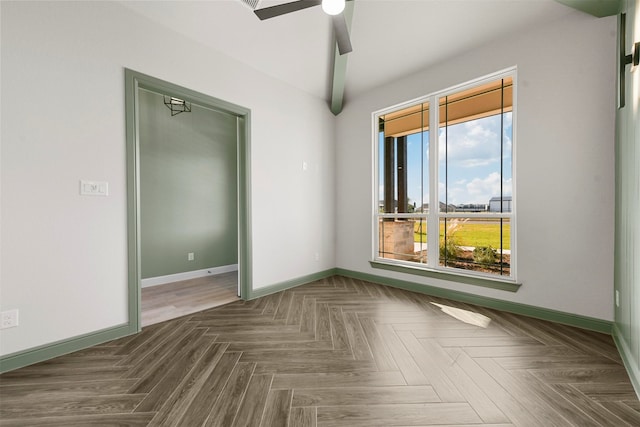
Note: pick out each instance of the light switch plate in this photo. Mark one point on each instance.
(94, 188)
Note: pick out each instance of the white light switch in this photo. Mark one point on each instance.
(94, 188)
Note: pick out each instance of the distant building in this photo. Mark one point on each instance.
(494, 204)
(472, 207)
(443, 207)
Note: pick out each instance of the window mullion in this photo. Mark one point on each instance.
(433, 237)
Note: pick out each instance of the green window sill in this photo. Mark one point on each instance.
(486, 282)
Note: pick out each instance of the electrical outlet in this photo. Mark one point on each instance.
(190, 256)
(617, 298)
(8, 319)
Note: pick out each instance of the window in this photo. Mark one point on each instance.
(444, 197)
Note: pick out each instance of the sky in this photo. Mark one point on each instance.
(469, 162)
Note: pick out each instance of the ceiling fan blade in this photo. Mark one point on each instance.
(283, 9)
(342, 34)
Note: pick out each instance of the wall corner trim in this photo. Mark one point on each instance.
(584, 322)
(44, 352)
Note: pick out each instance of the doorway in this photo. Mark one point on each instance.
(174, 242)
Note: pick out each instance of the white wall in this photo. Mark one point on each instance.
(64, 259)
(564, 170)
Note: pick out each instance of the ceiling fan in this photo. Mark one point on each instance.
(334, 8)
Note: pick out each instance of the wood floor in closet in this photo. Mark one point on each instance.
(164, 302)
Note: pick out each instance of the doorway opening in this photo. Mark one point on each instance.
(188, 217)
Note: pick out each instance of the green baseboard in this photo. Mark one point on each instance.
(49, 351)
(627, 358)
(282, 286)
(41, 353)
(570, 319)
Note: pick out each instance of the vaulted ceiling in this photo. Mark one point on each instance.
(391, 38)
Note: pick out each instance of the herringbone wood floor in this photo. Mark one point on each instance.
(334, 352)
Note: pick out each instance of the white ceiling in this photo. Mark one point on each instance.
(391, 38)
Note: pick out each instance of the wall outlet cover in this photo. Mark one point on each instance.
(8, 319)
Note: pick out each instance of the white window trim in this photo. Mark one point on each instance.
(433, 227)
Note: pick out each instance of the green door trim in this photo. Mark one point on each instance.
(133, 81)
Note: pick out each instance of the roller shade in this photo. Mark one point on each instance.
(475, 103)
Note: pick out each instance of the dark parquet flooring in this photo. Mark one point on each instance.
(336, 352)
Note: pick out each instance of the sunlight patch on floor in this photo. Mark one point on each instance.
(465, 316)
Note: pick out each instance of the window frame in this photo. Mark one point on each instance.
(432, 266)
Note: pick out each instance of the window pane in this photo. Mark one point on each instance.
(424, 203)
(478, 244)
(381, 172)
(403, 146)
(417, 172)
(507, 166)
(470, 163)
(474, 143)
(420, 239)
(400, 239)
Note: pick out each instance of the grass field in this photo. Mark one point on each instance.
(472, 233)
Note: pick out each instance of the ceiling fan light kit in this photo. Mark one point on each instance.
(333, 7)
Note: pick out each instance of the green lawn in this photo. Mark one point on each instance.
(475, 233)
